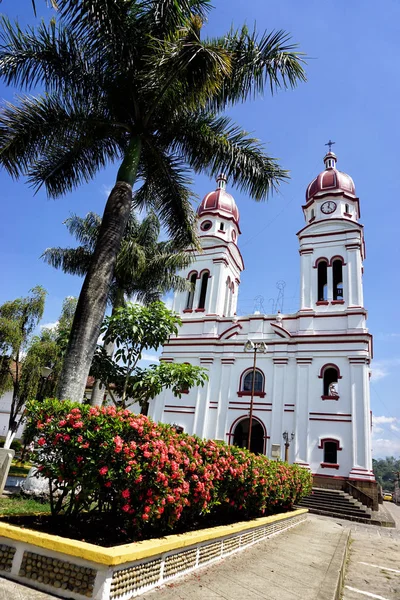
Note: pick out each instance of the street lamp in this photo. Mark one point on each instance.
(45, 373)
(288, 438)
(254, 347)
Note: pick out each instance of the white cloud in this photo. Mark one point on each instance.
(383, 368)
(50, 326)
(383, 447)
(394, 427)
(377, 430)
(382, 419)
(150, 357)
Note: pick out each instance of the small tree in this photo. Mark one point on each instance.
(23, 357)
(134, 329)
(18, 319)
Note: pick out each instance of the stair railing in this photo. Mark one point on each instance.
(359, 494)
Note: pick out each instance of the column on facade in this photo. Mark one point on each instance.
(302, 410)
(329, 295)
(354, 275)
(203, 400)
(278, 399)
(217, 291)
(225, 389)
(360, 413)
(306, 274)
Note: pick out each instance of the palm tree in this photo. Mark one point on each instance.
(132, 82)
(145, 268)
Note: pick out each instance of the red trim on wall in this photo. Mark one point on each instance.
(180, 412)
(199, 310)
(237, 421)
(333, 420)
(348, 215)
(329, 465)
(246, 403)
(337, 302)
(204, 271)
(179, 406)
(323, 440)
(241, 392)
(330, 397)
(187, 310)
(337, 257)
(330, 415)
(322, 303)
(321, 259)
(312, 219)
(193, 272)
(329, 366)
(340, 219)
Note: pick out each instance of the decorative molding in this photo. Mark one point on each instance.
(306, 251)
(221, 260)
(259, 394)
(166, 359)
(337, 301)
(329, 465)
(280, 360)
(303, 361)
(206, 360)
(330, 397)
(329, 366)
(323, 440)
(228, 361)
(322, 303)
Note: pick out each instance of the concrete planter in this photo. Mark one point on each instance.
(79, 570)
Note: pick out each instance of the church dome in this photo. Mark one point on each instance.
(330, 180)
(219, 202)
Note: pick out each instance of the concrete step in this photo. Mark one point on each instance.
(336, 515)
(336, 510)
(337, 502)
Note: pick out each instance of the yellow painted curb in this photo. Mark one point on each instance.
(136, 550)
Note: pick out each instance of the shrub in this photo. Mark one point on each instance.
(113, 462)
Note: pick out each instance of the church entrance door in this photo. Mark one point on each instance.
(241, 433)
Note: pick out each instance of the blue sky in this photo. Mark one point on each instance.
(351, 96)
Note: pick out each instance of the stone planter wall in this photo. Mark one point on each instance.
(73, 569)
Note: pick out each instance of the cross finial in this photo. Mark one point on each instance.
(330, 144)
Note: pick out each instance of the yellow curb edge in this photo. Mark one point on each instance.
(136, 550)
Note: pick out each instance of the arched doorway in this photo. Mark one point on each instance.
(240, 433)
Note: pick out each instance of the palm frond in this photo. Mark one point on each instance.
(47, 128)
(166, 190)
(84, 229)
(213, 144)
(270, 59)
(74, 261)
(50, 55)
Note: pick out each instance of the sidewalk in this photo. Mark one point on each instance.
(302, 563)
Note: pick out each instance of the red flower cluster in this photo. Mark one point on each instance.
(155, 476)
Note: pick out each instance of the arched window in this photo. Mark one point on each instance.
(203, 290)
(330, 448)
(312, 214)
(231, 291)
(246, 383)
(330, 377)
(190, 297)
(346, 208)
(322, 270)
(330, 452)
(337, 274)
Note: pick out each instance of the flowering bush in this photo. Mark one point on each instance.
(113, 462)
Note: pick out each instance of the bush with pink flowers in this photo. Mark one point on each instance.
(116, 464)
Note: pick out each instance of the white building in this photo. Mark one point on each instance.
(313, 379)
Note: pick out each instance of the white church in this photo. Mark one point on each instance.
(311, 380)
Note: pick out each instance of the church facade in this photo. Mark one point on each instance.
(311, 377)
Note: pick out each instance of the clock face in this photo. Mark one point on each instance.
(328, 207)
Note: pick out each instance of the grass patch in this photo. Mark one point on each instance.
(16, 505)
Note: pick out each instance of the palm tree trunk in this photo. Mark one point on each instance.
(92, 301)
(98, 391)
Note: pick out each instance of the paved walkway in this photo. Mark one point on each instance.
(291, 566)
(374, 565)
(295, 565)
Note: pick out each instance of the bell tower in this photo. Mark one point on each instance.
(215, 272)
(332, 246)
